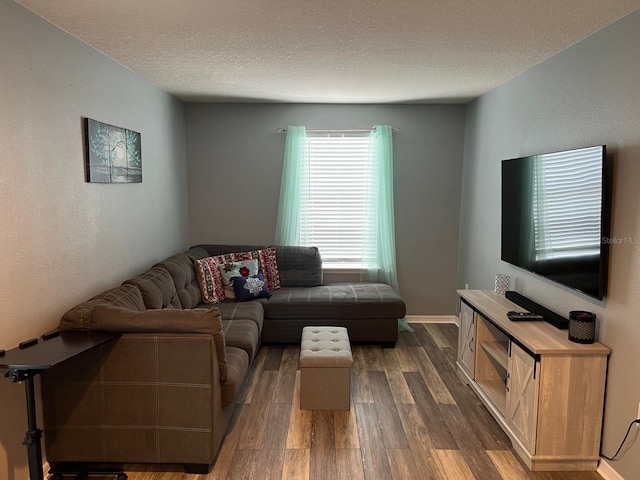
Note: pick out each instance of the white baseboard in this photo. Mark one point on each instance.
(607, 472)
(430, 318)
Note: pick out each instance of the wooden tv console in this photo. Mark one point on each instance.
(546, 392)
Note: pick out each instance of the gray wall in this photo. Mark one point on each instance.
(235, 165)
(586, 95)
(63, 240)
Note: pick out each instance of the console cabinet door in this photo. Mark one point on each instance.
(466, 339)
(522, 396)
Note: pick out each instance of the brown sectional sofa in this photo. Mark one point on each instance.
(164, 391)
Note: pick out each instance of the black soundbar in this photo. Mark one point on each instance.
(533, 307)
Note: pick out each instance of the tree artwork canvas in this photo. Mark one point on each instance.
(114, 154)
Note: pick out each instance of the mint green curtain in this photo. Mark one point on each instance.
(381, 230)
(291, 200)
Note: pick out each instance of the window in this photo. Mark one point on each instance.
(337, 195)
(337, 191)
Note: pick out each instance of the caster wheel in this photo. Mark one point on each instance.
(122, 476)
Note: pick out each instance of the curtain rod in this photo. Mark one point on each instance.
(357, 130)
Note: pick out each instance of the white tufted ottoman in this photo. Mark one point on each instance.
(325, 369)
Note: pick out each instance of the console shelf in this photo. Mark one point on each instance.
(498, 351)
(545, 391)
(495, 391)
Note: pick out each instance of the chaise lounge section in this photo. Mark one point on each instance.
(369, 311)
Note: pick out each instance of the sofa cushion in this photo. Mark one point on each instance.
(238, 366)
(80, 317)
(253, 311)
(197, 320)
(157, 288)
(337, 301)
(181, 269)
(242, 334)
(197, 252)
(299, 266)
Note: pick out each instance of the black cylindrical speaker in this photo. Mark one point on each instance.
(582, 326)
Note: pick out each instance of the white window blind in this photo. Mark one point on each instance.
(567, 204)
(337, 197)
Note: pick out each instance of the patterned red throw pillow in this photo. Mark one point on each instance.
(210, 278)
(268, 267)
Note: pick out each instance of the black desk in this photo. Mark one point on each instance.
(30, 359)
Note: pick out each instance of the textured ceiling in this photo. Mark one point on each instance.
(330, 51)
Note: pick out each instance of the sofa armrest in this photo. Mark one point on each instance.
(142, 398)
(197, 320)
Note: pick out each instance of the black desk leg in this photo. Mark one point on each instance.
(34, 434)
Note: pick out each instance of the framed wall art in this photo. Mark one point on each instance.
(113, 154)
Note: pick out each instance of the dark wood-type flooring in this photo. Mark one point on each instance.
(411, 418)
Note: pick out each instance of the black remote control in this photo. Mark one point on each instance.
(515, 316)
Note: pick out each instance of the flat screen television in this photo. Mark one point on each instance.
(555, 217)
